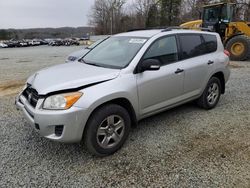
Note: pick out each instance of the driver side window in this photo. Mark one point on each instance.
(164, 50)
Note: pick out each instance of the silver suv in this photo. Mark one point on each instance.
(124, 79)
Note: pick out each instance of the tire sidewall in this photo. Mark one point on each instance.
(241, 39)
(96, 119)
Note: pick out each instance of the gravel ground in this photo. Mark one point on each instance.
(183, 147)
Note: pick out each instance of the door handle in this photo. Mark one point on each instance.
(210, 62)
(178, 71)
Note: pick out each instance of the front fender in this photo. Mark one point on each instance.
(121, 87)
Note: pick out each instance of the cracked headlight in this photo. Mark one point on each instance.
(61, 101)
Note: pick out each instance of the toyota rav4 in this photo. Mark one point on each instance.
(124, 79)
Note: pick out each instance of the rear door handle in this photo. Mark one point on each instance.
(210, 62)
(178, 71)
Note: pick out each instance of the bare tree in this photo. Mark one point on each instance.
(142, 9)
(113, 16)
(106, 16)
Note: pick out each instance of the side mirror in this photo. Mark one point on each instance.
(149, 65)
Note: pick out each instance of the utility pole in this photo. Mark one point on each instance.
(111, 24)
(112, 18)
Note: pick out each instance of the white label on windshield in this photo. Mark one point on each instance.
(137, 41)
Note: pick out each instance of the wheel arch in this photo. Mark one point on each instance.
(221, 77)
(123, 102)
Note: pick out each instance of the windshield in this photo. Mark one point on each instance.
(211, 14)
(115, 52)
(95, 44)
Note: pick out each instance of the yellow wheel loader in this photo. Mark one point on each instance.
(235, 35)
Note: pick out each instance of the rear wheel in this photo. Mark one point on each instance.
(211, 95)
(107, 130)
(239, 48)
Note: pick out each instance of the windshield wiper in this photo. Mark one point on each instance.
(99, 65)
(94, 64)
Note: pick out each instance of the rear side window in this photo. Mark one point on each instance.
(191, 45)
(210, 43)
(164, 50)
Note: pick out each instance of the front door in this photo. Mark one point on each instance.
(161, 88)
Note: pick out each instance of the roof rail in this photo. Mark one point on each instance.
(179, 27)
(164, 29)
(136, 29)
(149, 28)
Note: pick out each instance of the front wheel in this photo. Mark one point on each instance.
(107, 130)
(211, 95)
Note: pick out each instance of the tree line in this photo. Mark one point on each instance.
(114, 16)
(43, 33)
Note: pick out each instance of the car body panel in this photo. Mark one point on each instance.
(157, 89)
(68, 76)
(72, 119)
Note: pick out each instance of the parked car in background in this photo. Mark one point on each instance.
(23, 43)
(34, 42)
(57, 42)
(12, 43)
(63, 42)
(78, 54)
(37, 42)
(126, 78)
(3, 45)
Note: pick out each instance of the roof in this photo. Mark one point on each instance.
(141, 33)
(151, 33)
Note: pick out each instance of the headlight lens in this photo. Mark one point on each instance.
(61, 101)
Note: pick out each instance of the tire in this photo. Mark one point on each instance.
(210, 96)
(107, 130)
(239, 48)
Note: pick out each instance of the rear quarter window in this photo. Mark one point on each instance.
(191, 45)
(210, 43)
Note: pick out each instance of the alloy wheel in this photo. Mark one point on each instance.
(213, 93)
(110, 131)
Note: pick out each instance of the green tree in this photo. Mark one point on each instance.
(4, 35)
(169, 12)
(153, 17)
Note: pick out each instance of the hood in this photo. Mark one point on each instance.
(69, 76)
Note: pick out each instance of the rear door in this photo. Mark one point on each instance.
(195, 63)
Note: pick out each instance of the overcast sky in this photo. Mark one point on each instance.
(44, 13)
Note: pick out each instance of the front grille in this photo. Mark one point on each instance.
(31, 95)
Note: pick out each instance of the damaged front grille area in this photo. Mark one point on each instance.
(31, 95)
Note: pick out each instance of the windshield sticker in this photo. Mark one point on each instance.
(137, 41)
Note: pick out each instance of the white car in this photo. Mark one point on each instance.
(3, 45)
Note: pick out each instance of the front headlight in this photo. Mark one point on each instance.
(61, 101)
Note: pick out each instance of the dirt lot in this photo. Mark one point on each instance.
(183, 147)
